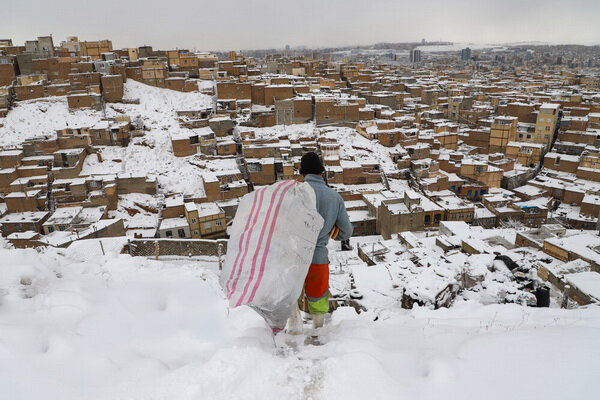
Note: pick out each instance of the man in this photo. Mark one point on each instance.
(337, 225)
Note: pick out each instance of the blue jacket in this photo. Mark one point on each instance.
(331, 207)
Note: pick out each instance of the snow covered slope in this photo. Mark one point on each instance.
(149, 155)
(75, 324)
(152, 154)
(42, 117)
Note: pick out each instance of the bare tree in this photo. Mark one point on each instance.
(512, 223)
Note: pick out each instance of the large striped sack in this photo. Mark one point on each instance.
(270, 249)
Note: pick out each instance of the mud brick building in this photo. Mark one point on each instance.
(94, 49)
(112, 87)
(85, 100)
(192, 141)
(81, 81)
(331, 111)
(406, 212)
(8, 71)
(30, 92)
(277, 92)
(528, 154)
(206, 220)
(43, 47)
(234, 90)
(23, 222)
(561, 162)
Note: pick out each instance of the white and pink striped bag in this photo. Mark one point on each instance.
(270, 248)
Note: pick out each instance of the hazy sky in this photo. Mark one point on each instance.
(256, 24)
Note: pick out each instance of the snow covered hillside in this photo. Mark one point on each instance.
(75, 324)
(150, 155)
(43, 116)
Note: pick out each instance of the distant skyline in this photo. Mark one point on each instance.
(263, 24)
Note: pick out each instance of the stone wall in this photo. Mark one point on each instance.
(176, 247)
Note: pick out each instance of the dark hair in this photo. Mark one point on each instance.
(311, 164)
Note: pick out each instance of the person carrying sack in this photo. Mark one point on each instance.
(337, 226)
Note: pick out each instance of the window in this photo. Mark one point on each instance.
(61, 228)
(218, 222)
(469, 192)
(427, 219)
(528, 136)
(196, 232)
(169, 234)
(181, 233)
(476, 193)
(50, 229)
(547, 128)
(207, 225)
(437, 218)
(194, 140)
(193, 220)
(482, 192)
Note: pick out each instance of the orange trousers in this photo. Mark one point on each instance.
(316, 288)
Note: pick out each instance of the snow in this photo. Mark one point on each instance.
(292, 131)
(152, 154)
(208, 209)
(43, 116)
(563, 157)
(149, 155)
(80, 324)
(142, 218)
(587, 281)
(455, 228)
(90, 322)
(359, 215)
(173, 223)
(63, 215)
(25, 217)
(584, 245)
(591, 199)
(529, 190)
(23, 235)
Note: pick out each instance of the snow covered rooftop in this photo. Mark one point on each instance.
(63, 215)
(173, 223)
(23, 217)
